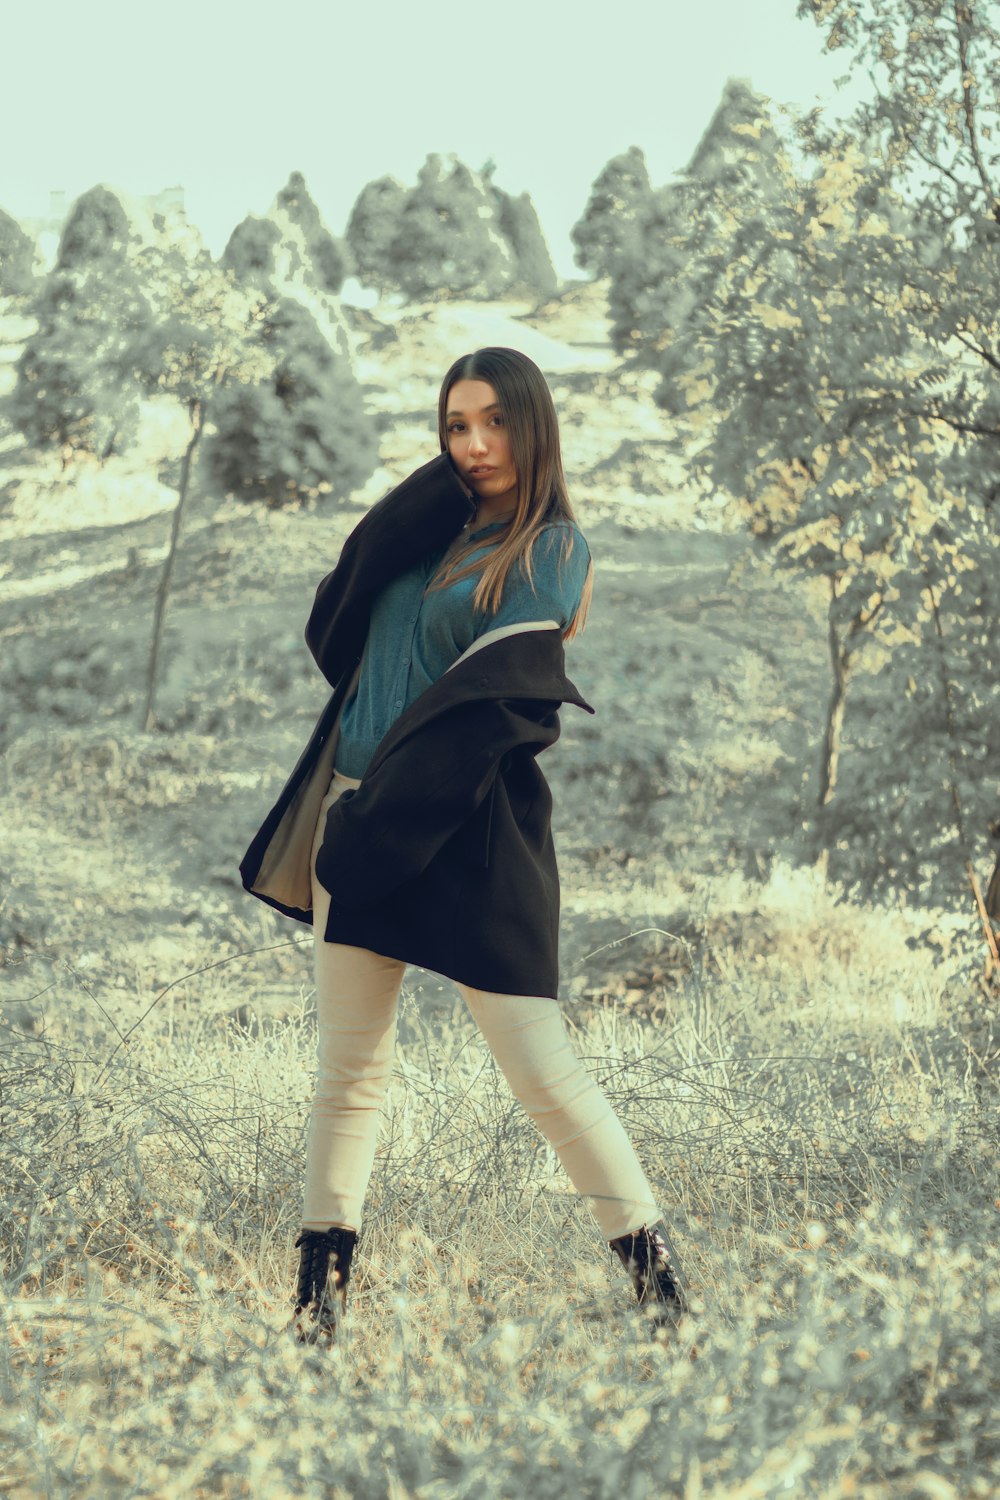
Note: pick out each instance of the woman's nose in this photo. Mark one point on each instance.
(476, 444)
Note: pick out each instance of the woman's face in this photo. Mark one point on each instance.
(477, 439)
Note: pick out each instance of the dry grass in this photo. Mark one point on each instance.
(813, 1098)
(829, 1171)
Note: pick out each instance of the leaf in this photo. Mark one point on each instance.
(774, 317)
(697, 391)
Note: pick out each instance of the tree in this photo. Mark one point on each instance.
(265, 394)
(836, 373)
(370, 231)
(330, 258)
(454, 233)
(616, 201)
(81, 373)
(446, 240)
(660, 274)
(655, 278)
(96, 228)
(302, 429)
(518, 223)
(202, 340)
(249, 251)
(17, 256)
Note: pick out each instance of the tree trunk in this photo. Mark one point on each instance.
(836, 705)
(163, 589)
(834, 717)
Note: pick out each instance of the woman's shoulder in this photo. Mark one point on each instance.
(555, 522)
(566, 531)
(559, 559)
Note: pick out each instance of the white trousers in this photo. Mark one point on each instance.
(356, 1001)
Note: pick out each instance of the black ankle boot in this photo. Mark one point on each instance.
(646, 1257)
(323, 1250)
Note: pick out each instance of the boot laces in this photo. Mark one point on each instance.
(647, 1259)
(319, 1246)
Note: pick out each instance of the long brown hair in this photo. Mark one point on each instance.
(533, 431)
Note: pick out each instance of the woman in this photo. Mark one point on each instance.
(416, 826)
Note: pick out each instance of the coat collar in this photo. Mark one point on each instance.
(420, 514)
(526, 660)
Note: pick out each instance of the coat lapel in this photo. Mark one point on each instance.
(525, 660)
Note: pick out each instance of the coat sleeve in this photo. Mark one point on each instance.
(423, 512)
(387, 830)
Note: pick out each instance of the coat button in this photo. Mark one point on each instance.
(484, 682)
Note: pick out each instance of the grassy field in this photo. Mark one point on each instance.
(810, 1086)
(823, 1141)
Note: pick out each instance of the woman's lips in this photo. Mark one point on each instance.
(479, 473)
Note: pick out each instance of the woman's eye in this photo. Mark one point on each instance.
(456, 425)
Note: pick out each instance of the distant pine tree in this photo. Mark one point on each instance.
(249, 251)
(371, 228)
(616, 200)
(454, 233)
(81, 373)
(659, 272)
(96, 229)
(300, 432)
(447, 239)
(17, 258)
(330, 258)
(520, 227)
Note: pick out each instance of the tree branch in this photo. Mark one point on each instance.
(990, 359)
(862, 621)
(937, 416)
(963, 19)
(940, 166)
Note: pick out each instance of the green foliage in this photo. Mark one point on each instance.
(371, 228)
(17, 256)
(659, 275)
(617, 199)
(330, 258)
(81, 372)
(300, 431)
(827, 348)
(96, 231)
(454, 233)
(249, 251)
(916, 791)
(519, 225)
(444, 239)
(655, 282)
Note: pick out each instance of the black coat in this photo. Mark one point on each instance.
(443, 856)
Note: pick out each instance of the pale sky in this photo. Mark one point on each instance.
(228, 99)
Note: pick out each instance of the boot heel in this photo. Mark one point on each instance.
(321, 1297)
(646, 1257)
